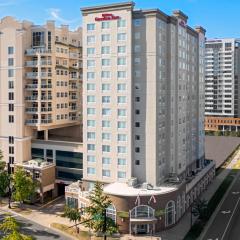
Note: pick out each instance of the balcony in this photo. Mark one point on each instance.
(31, 86)
(31, 109)
(45, 98)
(46, 109)
(46, 86)
(73, 55)
(73, 118)
(46, 121)
(31, 75)
(31, 122)
(35, 63)
(31, 63)
(74, 98)
(33, 52)
(31, 98)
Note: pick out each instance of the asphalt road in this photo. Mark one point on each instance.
(225, 225)
(36, 230)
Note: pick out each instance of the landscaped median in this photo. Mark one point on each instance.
(83, 235)
(197, 228)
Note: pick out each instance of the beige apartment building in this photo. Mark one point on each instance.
(143, 115)
(40, 85)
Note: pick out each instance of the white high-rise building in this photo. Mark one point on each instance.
(222, 77)
(143, 94)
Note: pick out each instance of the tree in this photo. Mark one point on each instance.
(73, 214)
(199, 209)
(24, 186)
(96, 212)
(10, 228)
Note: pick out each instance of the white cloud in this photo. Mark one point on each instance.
(55, 14)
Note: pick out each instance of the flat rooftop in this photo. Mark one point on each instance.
(218, 148)
(122, 189)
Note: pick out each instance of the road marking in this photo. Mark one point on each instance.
(226, 212)
(230, 219)
(235, 193)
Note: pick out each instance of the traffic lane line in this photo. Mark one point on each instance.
(218, 225)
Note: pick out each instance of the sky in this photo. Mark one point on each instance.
(219, 17)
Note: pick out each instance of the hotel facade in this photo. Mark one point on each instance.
(222, 72)
(143, 115)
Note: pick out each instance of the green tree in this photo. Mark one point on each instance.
(11, 230)
(96, 212)
(24, 186)
(73, 214)
(199, 209)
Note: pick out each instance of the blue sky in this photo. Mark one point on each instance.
(219, 17)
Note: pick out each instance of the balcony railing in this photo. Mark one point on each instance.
(46, 109)
(31, 121)
(46, 98)
(31, 110)
(73, 55)
(46, 86)
(37, 51)
(31, 86)
(36, 74)
(46, 121)
(31, 98)
(35, 63)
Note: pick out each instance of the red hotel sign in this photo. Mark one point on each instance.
(107, 17)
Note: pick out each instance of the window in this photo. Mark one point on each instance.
(137, 149)
(91, 123)
(121, 174)
(122, 112)
(106, 136)
(137, 137)
(10, 73)
(91, 171)
(91, 147)
(90, 39)
(105, 62)
(11, 160)
(91, 26)
(91, 158)
(122, 137)
(105, 50)
(38, 39)
(90, 63)
(122, 99)
(137, 35)
(10, 62)
(10, 50)
(137, 22)
(90, 51)
(137, 73)
(105, 37)
(137, 48)
(121, 61)
(10, 84)
(11, 150)
(137, 99)
(106, 124)
(90, 75)
(106, 111)
(121, 149)
(10, 107)
(105, 99)
(91, 111)
(137, 61)
(122, 161)
(121, 23)
(91, 99)
(121, 74)
(137, 124)
(121, 87)
(90, 86)
(106, 173)
(105, 74)
(106, 148)
(170, 213)
(105, 25)
(137, 162)
(137, 111)
(105, 87)
(121, 36)
(91, 135)
(11, 140)
(121, 124)
(10, 118)
(121, 49)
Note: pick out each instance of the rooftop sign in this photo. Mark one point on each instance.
(107, 17)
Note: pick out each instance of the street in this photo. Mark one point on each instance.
(226, 223)
(35, 230)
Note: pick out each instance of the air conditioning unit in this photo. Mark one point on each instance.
(132, 182)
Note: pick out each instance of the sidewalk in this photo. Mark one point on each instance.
(181, 229)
